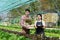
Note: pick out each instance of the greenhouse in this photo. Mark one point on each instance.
(11, 12)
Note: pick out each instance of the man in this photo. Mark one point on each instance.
(25, 26)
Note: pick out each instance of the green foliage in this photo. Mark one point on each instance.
(52, 34)
(6, 36)
(9, 36)
(52, 31)
(29, 21)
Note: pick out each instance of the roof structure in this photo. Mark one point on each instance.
(6, 5)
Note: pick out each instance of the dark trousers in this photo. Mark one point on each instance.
(26, 30)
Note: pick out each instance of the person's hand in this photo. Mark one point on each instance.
(44, 27)
(32, 25)
(28, 26)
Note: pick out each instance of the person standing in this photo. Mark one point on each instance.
(40, 25)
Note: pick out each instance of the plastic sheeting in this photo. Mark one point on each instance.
(6, 5)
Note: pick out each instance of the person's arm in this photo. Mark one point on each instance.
(22, 22)
(44, 25)
(35, 24)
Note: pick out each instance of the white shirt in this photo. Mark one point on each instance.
(43, 22)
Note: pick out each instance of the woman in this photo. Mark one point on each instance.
(39, 24)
